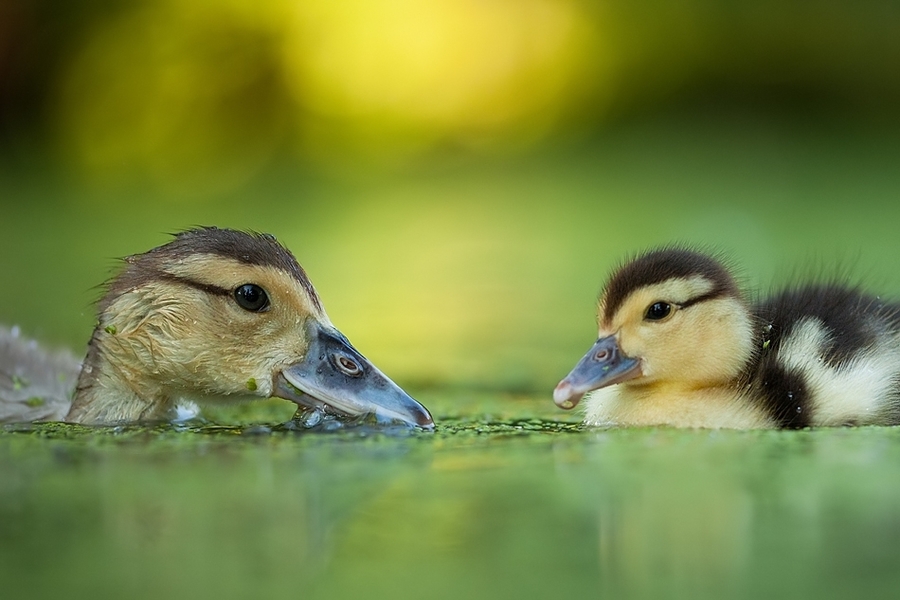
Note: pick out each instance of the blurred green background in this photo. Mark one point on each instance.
(457, 176)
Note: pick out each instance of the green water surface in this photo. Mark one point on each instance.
(453, 278)
(503, 502)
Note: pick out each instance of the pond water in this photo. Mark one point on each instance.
(508, 501)
(476, 275)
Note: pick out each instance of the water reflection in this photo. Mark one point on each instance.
(480, 508)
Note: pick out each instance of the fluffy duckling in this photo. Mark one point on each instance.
(680, 345)
(216, 315)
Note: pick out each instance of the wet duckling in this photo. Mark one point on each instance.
(217, 315)
(680, 345)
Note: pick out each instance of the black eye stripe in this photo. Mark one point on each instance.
(702, 298)
(213, 290)
(251, 297)
(660, 310)
(248, 296)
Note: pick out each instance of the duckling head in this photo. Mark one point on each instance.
(219, 314)
(671, 317)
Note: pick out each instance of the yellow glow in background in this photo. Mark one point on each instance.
(457, 176)
(185, 89)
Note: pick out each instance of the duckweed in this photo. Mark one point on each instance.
(251, 384)
(504, 498)
(110, 329)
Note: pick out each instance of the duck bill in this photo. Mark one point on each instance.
(603, 365)
(334, 375)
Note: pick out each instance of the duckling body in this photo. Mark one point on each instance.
(222, 315)
(680, 345)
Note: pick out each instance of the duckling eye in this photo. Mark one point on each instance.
(658, 311)
(251, 297)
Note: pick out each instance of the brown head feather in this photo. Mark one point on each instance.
(246, 247)
(663, 264)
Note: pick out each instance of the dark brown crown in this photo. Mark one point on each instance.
(663, 264)
(246, 247)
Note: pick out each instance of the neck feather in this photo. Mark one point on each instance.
(109, 391)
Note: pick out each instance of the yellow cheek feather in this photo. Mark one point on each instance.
(689, 360)
(216, 315)
(166, 338)
(818, 353)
